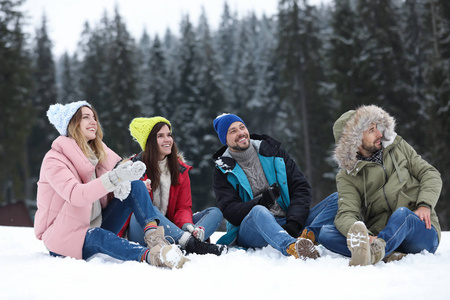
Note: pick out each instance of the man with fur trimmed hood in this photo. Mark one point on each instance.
(387, 192)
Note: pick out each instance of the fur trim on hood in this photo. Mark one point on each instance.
(348, 132)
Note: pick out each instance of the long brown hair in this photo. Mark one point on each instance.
(150, 158)
(91, 147)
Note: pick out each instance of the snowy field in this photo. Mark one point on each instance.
(28, 272)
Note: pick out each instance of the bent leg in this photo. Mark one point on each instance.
(115, 215)
(333, 240)
(99, 240)
(259, 229)
(136, 230)
(210, 219)
(322, 214)
(408, 233)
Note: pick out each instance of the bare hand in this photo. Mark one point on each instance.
(372, 238)
(424, 214)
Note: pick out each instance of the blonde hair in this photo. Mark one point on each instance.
(90, 148)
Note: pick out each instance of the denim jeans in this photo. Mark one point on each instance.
(114, 216)
(210, 219)
(404, 232)
(260, 228)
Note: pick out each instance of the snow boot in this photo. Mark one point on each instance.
(309, 235)
(394, 256)
(358, 244)
(377, 250)
(162, 253)
(193, 245)
(303, 248)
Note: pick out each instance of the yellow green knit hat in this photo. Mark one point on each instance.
(140, 128)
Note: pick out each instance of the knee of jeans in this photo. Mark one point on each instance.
(216, 212)
(259, 209)
(401, 212)
(138, 184)
(325, 233)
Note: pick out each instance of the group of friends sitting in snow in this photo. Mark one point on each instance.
(90, 200)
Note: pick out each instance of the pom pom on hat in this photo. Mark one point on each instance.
(140, 128)
(60, 115)
(222, 123)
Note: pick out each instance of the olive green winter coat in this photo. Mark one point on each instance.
(371, 192)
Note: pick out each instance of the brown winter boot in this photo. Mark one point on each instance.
(303, 248)
(394, 256)
(309, 235)
(162, 253)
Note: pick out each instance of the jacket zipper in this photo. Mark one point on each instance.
(384, 190)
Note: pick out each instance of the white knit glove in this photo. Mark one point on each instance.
(127, 171)
(122, 190)
(196, 231)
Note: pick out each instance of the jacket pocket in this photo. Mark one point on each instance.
(405, 201)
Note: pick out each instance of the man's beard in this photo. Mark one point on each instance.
(239, 148)
(370, 148)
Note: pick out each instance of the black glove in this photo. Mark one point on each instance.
(293, 228)
(269, 196)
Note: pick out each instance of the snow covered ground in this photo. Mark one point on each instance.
(28, 272)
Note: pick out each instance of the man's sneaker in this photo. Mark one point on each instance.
(162, 253)
(377, 250)
(394, 256)
(196, 246)
(309, 235)
(303, 248)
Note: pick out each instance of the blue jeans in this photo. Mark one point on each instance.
(210, 219)
(404, 232)
(114, 216)
(260, 228)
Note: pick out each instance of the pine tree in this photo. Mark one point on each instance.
(143, 78)
(210, 102)
(15, 104)
(122, 84)
(94, 67)
(69, 90)
(44, 94)
(185, 97)
(224, 44)
(437, 80)
(158, 85)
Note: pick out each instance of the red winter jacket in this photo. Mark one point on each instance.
(179, 209)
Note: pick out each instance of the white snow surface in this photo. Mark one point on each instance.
(27, 271)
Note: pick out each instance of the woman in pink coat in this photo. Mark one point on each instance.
(170, 190)
(75, 217)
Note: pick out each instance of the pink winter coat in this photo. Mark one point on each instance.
(65, 195)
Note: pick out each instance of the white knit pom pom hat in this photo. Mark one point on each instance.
(60, 114)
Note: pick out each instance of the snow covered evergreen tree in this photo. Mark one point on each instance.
(44, 94)
(15, 104)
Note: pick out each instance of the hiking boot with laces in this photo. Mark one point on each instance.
(394, 256)
(358, 244)
(196, 246)
(162, 253)
(303, 248)
(377, 250)
(309, 235)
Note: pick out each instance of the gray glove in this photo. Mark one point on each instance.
(127, 171)
(196, 231)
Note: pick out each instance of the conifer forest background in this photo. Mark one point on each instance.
(288, 75)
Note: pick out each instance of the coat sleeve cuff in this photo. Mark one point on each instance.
(107, 184)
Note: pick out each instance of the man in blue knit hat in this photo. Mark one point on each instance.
(263, 194)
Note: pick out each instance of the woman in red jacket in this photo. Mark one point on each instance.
(169, 186)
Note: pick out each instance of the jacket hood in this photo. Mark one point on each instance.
(349, 128)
